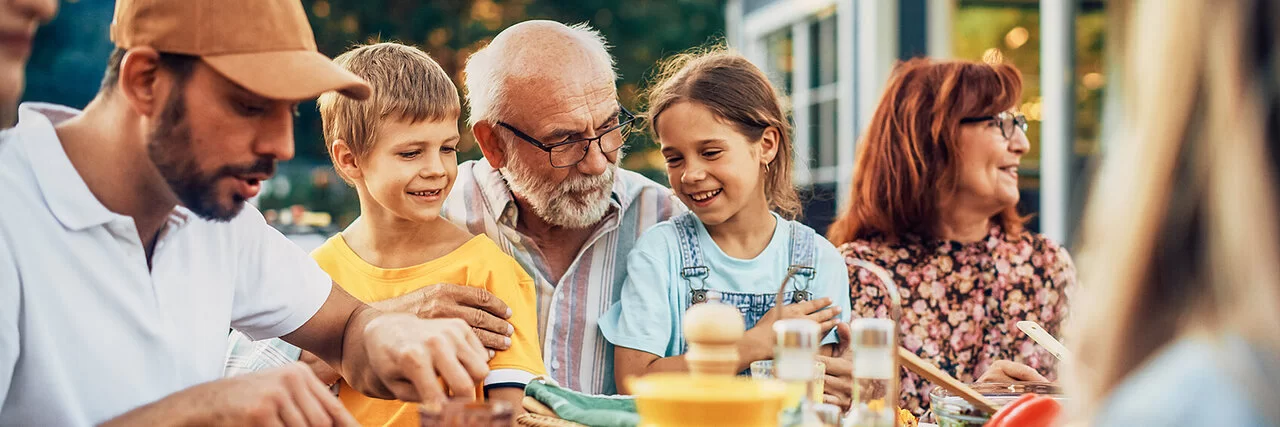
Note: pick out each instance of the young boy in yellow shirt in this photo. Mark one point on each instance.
(399, 150)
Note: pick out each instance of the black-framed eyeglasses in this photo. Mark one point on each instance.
(1008, 122)
(569, 152)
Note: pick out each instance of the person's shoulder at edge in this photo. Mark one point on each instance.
(13, 161)
(1157, 393)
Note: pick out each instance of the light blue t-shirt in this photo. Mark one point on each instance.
(1198, 381)
(649, 314)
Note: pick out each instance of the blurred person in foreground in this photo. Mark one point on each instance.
(18, 22)
(934, 205)
(544, 109)
(127, 252)
(1179, 316)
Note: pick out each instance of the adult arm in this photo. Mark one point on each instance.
(283, 396)
(393, 355)
(485, 313)
(1004, 371)
(320, 368)
(281, 291)
(838, 377)
(833, 281)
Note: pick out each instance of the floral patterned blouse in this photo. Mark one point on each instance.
(961, 302)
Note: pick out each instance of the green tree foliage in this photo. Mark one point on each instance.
(640, 32)
(71, 53)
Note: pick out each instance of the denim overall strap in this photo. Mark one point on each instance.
(752, 306)
(803, 260)
(693, 268)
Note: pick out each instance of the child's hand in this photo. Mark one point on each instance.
(758, 342)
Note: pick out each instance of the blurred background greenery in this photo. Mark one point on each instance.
(70, 55)
(71, 52)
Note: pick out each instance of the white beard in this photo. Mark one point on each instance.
(576, 203)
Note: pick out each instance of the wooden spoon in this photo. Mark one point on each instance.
(944, 380)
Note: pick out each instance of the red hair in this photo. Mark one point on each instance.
(907, 160)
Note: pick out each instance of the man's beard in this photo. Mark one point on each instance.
(170, 149)
(576, 203)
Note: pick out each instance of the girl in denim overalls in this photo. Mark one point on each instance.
(727, 145)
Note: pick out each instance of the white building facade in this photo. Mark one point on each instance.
(832, 59)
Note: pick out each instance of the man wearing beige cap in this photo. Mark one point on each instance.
(127, 253)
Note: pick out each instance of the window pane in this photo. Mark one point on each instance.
(822, 134)
(823, 58)
(778, 62)
(1010, 31)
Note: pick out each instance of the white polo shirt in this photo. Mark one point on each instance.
(87, 331)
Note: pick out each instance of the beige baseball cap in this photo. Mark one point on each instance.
(266, 46)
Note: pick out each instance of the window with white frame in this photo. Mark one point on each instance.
(822, 97)
(803, 50)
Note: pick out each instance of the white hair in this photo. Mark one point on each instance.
(487, 70)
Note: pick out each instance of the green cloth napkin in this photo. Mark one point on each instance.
(591, 410)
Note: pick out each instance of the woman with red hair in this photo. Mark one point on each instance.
(934, 206)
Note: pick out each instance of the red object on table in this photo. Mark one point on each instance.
(1030, 410)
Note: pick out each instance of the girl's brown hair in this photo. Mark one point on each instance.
(736, 91)
(907, 161)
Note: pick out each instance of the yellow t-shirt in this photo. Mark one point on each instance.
(479, 263)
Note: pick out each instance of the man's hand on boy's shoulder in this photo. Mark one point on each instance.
(482, 310)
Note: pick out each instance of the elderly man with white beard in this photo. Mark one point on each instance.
(544, 110)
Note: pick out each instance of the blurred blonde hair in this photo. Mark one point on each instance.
(407, 86)
(1181, 234)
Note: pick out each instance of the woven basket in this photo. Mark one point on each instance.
(535, 420)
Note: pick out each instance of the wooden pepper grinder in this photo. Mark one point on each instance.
(713, 330)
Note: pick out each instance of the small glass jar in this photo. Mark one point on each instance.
(950, 410)
(763, 370)
(466, 414)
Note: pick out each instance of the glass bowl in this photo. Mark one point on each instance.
(950, 410)
(466, 414)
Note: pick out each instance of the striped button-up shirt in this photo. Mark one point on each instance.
(577, 356)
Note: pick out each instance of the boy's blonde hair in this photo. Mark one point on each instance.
(407, 85)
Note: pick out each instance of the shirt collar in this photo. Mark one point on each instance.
(60, 184)
(501, 202)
